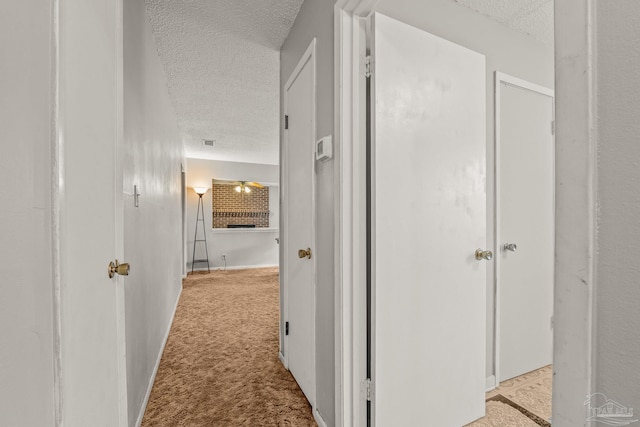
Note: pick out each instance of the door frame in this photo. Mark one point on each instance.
(575, 219)
(507, 79)
(350, 198)
(308, 57)
(183, 202)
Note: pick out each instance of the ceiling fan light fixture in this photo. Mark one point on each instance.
(247, 189)
(239, 189)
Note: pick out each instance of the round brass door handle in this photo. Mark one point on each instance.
(116, 268)
(302, 253)
(480, 255)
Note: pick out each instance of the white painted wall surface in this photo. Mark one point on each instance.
(575, 214)
(243, 248)
(617, 78)
(598, 234)
(506, 50)
(315, 19)
(153, 233)
(26, 285)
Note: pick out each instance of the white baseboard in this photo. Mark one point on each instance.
(283, 360)
(318, 418)
(490, 383)
(143, 408)
(236, 267)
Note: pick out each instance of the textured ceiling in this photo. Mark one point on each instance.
(532, 17)
(221, 58)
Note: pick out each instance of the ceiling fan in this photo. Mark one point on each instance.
(242, 186)
(245, 186)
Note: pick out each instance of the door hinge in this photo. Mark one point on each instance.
(286, 122)
(367, 390)
(367, 66)
(553, 127)
(552, 323)
(286, 328)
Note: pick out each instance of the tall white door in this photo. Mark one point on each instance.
(525, 185)
(299, 267)
(89, 134)
(428, 219)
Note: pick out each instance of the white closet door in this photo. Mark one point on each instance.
(428, 219)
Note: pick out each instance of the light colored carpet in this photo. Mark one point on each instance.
(220, 366)
(531, 391)
(500, 414)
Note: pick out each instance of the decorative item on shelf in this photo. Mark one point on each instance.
(200, 191)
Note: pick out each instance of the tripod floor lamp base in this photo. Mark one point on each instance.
(202, 240)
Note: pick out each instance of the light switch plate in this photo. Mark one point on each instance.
(324, 148)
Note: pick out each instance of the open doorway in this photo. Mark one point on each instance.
(507, 51)
(504, 345)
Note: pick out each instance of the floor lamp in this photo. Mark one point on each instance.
(200, 191)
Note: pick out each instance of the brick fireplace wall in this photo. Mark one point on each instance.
(233, 208)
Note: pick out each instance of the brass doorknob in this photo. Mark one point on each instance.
(116, 268)
(302, 253)
(480, 255)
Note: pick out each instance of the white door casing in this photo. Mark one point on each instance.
(299, 222)
(88, 213)
(524, 217)
(428, 219)
(350, 195)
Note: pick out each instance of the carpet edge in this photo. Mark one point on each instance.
(152, 379)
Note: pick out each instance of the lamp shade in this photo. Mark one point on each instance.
(200, 190)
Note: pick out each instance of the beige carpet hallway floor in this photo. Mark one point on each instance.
(220, 366)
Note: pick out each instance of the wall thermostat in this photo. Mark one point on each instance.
(324, 148)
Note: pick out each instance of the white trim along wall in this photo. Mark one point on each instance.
(350, 193)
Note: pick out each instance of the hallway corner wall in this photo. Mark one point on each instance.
(315, 19)
(597, 351)
(26, 284)
(617, 293)
(154, 153)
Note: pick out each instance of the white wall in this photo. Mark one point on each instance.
(617, 84)
(315, 19)
(507, 51)
(597, 231)
(26, 285)
(153, 231)
(243, 248)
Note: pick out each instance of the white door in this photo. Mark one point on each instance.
(89, 133)
(525, 208)
(428, 219)
(299, 234)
